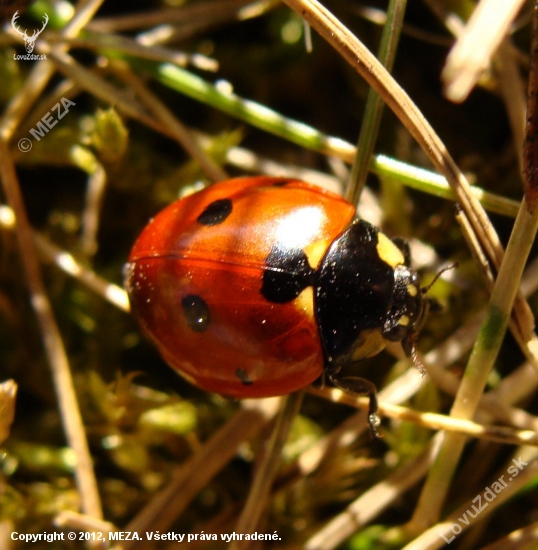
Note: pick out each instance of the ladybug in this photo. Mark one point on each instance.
(257, 286)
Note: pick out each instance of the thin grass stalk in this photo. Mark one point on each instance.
(260, 489)
(52, 341)
(493, 329)
(187, 139)
(306, 136)
(196, 472)
(374, 104)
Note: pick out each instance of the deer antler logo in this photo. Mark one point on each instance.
(29, 41)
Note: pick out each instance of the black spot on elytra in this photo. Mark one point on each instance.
(286, 275)
(243, 377)
(196, 312)
(216, 212)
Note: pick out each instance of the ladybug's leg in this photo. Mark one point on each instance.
(355, 385)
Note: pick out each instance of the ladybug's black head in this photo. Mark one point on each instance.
(410, 308)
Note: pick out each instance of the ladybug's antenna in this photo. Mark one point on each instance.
(448, 267)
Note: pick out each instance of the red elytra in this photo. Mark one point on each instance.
(195, 279)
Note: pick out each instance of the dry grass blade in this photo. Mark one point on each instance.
(512, 89)
(187, 139)
(8, 394)
(437, 421)
(216, 11)
(52, 341)
(196, 471)
(69, 264)
(488, 25)
(517, 540)
(102, 89)
(81, 522)
(132, 47)
(530, 150)
(165, 123)
(370, 504)
(260, 489)
(486, 348)
(441, 534)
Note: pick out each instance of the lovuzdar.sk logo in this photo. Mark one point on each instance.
(29, 41)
